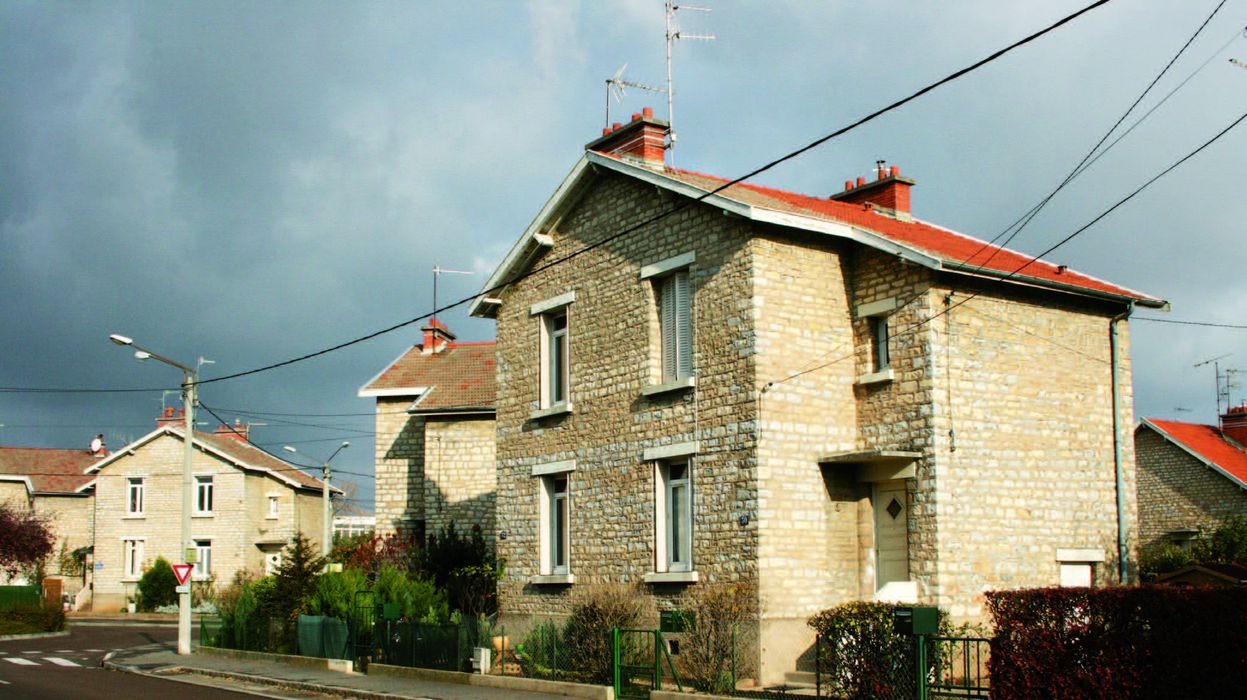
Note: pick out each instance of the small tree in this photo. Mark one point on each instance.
(296, 578)
(1226, 545)
(26, 539)
(157, 586)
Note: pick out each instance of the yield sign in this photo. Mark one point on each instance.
(183, 572)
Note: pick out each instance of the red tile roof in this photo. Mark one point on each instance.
(251, 455)
(461, 376)
(1206, 442)
(947, 245)
(50, 470)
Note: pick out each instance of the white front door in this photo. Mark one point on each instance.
(891, 533)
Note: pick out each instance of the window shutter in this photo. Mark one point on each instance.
(684, 326)
(667, 322)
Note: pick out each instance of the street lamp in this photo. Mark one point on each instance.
(326, 527)
(188, 398)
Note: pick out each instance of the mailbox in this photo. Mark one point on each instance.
(916, 620)
(390, 611)
(673, 621)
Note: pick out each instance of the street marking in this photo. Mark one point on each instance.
(31, 652)
(60, 662)
(3, 682)
(20, 661)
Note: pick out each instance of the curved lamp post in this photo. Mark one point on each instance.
(188, 398)
(326, 538)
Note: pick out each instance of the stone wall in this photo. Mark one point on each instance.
(459, 474)
(72, 523)
(1179, 492)
(399, 466)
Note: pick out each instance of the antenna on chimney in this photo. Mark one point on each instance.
(437, 272)
(674, 35)
(615, 88)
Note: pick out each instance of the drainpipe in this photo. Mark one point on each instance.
(1114, 360)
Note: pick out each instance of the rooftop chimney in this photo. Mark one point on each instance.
(642, 139)
(171, 416)
(436, 337)
(1234, 424)
(238, 431)
(889, 191)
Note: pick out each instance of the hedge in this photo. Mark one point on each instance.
(1148, 642)
(31, 620)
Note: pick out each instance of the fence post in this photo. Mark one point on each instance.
(658, 659)
(818, 666)
(920, 662)
(615, 658)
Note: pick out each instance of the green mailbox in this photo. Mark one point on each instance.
(389, 611)
(916, 620)
(673, 621)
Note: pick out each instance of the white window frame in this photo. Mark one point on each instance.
(204, 485)
(555, 347)
(132, 558)
(877, 315)
(553, 538)
(666, 540)
(274, 507)
(203, 560)
(136, 488)
(880, 334)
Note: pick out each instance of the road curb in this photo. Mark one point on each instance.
(170, 673)
(34, 635)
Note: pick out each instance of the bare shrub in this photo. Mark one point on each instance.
(595, 612)
(720, 638)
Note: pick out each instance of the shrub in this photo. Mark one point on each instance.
(295, 579)
(418, 598)
(541, 654)
(594, 613)
(31, 619)
(473, 590)
(1149, 642)
(158, 586)
(334, 594)
(1161, 558)
(1226, 545)
(861, 654)
(27, 542)
(713, 633)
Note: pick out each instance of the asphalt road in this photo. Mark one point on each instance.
(70, 667)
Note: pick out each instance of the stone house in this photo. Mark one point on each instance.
(435, 437)
(51, 482)
(1192, 477)
(819, 395)
(246, 507)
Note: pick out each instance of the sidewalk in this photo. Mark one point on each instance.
(164, 662)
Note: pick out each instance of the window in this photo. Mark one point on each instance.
(203, 559)
(272, 507)
(132, 562)
(203, 495)
(554, 364)
(555, 525)
(676, 323)
(134, 498)
(879, 359)
(674, 512)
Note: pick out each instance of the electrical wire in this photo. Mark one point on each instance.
(681, 205)
(1204, 324)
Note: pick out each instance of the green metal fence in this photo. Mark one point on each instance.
(959, 668)
(639, 659)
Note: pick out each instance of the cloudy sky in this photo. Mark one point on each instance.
(251, 182)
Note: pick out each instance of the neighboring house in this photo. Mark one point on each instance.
(1220, 575)
(247, 505)
(435, 437)
(817, 395)
(1192, 477)
(351, 525)
(51, 482)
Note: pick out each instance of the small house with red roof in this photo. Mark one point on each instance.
(1192, 477)
(247, 505)
(821, 396)
(51, 482)
(435, 437)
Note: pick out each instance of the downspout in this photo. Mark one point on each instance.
(1114, 361)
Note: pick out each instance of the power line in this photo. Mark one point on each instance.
(917, 324)
(1204, 324)
(1087, 159)
(681, 205)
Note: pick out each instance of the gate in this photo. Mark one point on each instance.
(959, 667)
(362, 628)
(637, 660)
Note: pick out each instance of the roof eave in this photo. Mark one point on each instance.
(1208, 462)
(458, 411)
(972, 270)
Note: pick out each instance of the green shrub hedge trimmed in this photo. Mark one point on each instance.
(31, 620)
(1148, 642)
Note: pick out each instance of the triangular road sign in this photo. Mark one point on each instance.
(183, 572)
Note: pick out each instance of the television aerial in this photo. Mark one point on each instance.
(615, 87)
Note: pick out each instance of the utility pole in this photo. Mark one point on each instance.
(189, 381)
(326, 539)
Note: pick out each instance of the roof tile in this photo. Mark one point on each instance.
(1208, 442)
(461, 376)
(50, 470)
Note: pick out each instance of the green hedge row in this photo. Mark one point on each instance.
(1128, 643)
(31, 620)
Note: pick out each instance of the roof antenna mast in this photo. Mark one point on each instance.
(437, 272)
(1217, 376)
(615, 88)
(674, 35)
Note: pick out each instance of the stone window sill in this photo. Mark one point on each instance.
(270, 517)
(674, 385)
(203, 515)
(555, 410)
(876, 378)
(553, 580)
(672, 577)
(133, 516)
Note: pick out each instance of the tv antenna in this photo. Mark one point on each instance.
(615, 88)
(673, 35)
(437, 272)
(1217, 376)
